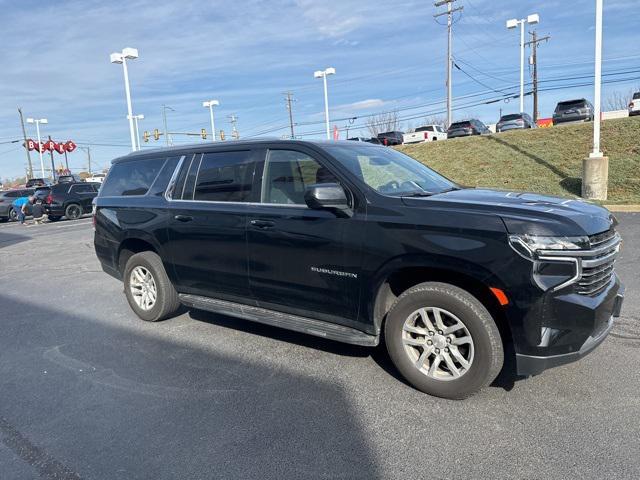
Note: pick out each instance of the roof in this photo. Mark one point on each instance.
(213, 146)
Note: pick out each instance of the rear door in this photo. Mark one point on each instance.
(82, 193)
(207, 224)
(302, 261)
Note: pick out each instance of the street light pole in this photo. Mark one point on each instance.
(127, 53)
(210, 104)
(38, 121)
(137, 131)
(513, 23)
(595, 168)
(323, 74)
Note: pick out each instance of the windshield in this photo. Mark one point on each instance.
(390, 172)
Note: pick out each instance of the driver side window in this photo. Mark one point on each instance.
(286, 175)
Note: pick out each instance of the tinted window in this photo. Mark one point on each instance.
(636, 96)
(460, 125)
(286, 175)
(190, 183)
(131, 178)
(13, 194)
(225, 177)
(160, 185)
(571, 104)
(84, 188)
(513, 116)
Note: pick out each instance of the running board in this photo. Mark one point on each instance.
(311, 326)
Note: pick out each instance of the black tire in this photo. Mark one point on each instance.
(488, 355)
(53, 218)
(73, 211)
(167, 302)
(13, 215)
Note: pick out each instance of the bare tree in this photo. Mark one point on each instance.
(384, 122)
(619, 100)
(435, 120)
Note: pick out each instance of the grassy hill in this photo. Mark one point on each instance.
(545, 160)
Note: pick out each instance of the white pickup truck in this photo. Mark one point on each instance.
(634, 105)
(426, 133)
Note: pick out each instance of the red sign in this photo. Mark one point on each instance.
(336, 134)
(545, 122)
(50, 146)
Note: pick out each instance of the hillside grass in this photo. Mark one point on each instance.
(544, 160)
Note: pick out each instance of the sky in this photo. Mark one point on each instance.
(388, 56)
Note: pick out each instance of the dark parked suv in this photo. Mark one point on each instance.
(579, 110)
(467, 128)
(70, 200)
(391, 138)
(360, 243)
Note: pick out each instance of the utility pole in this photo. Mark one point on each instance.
(24, 136)
(290, 99)
(535, 43)
(164, 120)
(234, 120)
(448, 13)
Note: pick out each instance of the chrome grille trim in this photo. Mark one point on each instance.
(598, 262)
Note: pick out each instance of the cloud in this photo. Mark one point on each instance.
(362, 105)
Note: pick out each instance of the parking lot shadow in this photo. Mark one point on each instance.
(85, 397)
(8, 239)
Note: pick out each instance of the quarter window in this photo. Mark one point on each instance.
(286, 175)
(225, 177)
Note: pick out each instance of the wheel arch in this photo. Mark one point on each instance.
(132, 244)
(401, 274)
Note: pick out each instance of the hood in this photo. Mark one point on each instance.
(530, 213)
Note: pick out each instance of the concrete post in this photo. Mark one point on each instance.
(595, 177)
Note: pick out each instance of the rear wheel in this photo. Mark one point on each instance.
(443, 340)
(148, 289)
(73, 211)
(13, 215)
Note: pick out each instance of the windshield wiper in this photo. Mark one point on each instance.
(423, 193)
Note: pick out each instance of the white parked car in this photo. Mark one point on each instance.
(634, 106)
(426, 133)
(97, 177)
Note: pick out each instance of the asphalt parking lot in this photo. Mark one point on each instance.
(89, 391)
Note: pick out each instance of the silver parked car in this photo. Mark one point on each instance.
(514, 121)
(579, 110)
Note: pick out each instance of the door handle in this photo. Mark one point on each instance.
(183, 218)
(264, 224)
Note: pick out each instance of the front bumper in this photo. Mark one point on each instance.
(600, 317)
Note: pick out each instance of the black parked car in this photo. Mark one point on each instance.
(70, 200)
(467, 128)
(71, 178)
(391, 138)
(346, 240)
(515, 121)
(35, 182)
(579, 110)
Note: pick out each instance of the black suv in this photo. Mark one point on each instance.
(467, 128)
(391, 138)
(358, 243)
(70, 200)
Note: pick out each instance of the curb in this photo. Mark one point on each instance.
(623, 208)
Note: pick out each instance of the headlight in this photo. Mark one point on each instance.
(529, 245)
(552, 270)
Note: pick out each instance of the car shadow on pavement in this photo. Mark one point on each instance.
(89, 397)
(505, 380)
(8, 239)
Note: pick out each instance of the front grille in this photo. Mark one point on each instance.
(598, 263)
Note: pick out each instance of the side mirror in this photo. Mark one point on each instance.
(326, 196)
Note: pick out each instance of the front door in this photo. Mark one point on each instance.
(302, 261)
(207, 224)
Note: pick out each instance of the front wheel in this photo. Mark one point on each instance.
(148, 289)
(443, 340)
(13, 215)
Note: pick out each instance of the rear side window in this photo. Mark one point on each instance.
(131, 178)
(160, 185)
(83, 188)
(12, 194)
(225, 177)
